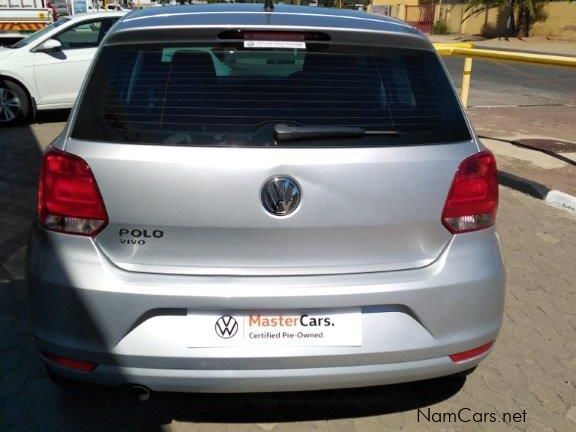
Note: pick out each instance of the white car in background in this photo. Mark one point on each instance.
(117, 7)
(45, 70)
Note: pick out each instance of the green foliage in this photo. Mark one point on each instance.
(440, 27)
(527, 11)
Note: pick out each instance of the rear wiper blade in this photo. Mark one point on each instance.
(284, 132)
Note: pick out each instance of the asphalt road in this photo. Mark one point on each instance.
(503, 83)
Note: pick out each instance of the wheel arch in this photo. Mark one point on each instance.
(31, 99)
(4, 77)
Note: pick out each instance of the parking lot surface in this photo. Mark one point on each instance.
(528, 382)
(496, 83)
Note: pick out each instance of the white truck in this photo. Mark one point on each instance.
(73, 7)
(18, 18)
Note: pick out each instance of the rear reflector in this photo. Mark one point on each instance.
(470, 354)
(69, 363)
(473, 198)
(68, 197)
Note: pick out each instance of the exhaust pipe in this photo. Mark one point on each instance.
(140, 393)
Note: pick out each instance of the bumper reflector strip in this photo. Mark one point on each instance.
(69, 363)
(470, 354)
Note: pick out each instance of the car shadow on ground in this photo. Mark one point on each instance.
(52, 116)
(29, 401)
(126, 413)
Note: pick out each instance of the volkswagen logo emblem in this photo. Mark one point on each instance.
(280, 196)
(226, 327)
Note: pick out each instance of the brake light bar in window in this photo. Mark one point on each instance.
(274, 36)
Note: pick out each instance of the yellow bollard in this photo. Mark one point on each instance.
(465, 90)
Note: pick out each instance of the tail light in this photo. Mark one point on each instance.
(68, 197)
(473, 198)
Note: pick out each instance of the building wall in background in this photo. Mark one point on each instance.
(488, 22)
(393, 8)
(560, 18)
(561, 21)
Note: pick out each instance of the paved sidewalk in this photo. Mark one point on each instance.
(539, 45)
(514, 123)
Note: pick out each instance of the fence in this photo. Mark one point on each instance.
(421, 17)
(467, 50)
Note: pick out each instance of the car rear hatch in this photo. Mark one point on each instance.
(182, 138)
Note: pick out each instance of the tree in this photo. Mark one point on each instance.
(527, 12)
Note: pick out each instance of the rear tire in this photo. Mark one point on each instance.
(14, 103)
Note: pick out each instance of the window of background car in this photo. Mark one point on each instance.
(37, 35)
(85, 35)
(228, 95)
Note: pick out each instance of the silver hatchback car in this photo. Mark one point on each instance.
(265, 200)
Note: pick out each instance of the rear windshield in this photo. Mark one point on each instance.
(224, 94)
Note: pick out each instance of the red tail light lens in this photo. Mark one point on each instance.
(473, 198)
(68, 197)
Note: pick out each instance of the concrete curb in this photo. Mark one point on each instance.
(531, 188)
(538, 190)
(562, 199)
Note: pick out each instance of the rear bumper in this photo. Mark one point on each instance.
(270, 380)
(84, 307)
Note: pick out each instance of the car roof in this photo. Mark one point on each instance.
(92, 15)
(245, 14)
